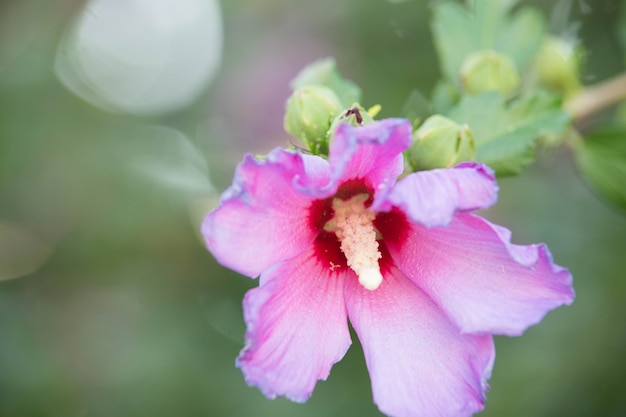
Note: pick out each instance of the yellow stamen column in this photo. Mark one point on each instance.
(353, 226)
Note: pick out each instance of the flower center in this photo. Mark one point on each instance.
(353, 226)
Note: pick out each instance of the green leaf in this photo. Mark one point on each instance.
(324, 72)
(450, 26)
(505, 135)
(601, 158)
(444, 96)
(485, 24)
(416, 108)
(522, 37)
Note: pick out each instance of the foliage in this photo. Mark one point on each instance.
(601, 158)
(506, 133)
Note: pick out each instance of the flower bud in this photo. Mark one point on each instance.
(489, 71)
(440, 143)
(557, 65)
(324, 72)
(310, 111)
(354, 116)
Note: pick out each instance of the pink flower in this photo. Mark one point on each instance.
(424, 283)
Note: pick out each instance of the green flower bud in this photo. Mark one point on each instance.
(310, 111)
(489, 71)
(557, 65)
(355, 116)
(324, 72)
(440, 143)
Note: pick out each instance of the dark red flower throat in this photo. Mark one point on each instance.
(391, 227)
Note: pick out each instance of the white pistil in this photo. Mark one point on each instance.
(353, 226)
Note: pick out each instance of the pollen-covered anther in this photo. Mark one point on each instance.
(353, 226)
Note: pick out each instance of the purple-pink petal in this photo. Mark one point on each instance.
(431, 198)
(371, 152)
(263, 217)
(419, 363)
(482, 281)
(296, 328)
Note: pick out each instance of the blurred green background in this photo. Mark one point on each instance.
(111, 306)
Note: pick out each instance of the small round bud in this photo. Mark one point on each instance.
(557, 65)
(354, 116)
(440, 143)
(310, 111)
(489, 71)
(324, 72)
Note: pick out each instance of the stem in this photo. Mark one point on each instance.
(597, 97)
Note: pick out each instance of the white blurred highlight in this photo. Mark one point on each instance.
(171, 160)
(21, 251)
(141, 56)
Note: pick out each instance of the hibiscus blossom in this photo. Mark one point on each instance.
(424, 282)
